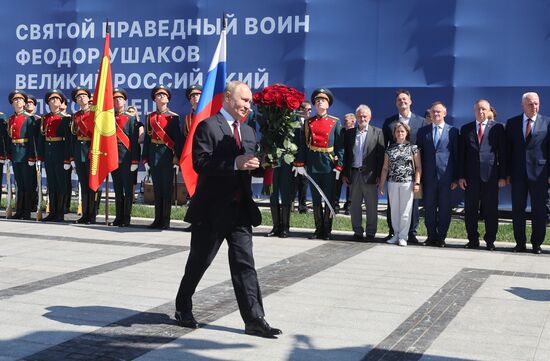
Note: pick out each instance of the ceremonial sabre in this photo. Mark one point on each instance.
(321, 193)
(39, 185)
(8, 186)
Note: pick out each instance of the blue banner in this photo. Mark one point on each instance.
(453, 51)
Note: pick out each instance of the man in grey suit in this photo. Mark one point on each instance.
(438, 143)
(403, 102)
(363, 160)
(528, 151)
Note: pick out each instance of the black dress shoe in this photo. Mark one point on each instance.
(358, 237)
(490, 246)
(412, 239)
(472, 245)
(518, 249)
(370, 238)
(431, 242)
(537, 250)
(186, 319)
(441, 244)
(260, 327)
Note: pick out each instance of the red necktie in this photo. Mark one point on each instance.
(236, 134)
(480, 133)
(528, 130)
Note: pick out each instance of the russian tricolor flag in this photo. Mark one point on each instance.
(210, 103)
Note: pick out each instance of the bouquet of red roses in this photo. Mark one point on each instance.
(277, 106)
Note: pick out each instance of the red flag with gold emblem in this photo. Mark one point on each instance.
(103, 152)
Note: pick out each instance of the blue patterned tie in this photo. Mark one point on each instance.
(436, 136)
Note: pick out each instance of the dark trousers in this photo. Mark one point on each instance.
(537, 192)
(205, 243)
(123, 180)
(24, 174)
(56, 176)
(415, 218)
(326, 183)
(281, 186)
(437, 206)
(481, 195)
(300, 183)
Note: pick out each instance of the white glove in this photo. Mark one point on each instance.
(337, 173)
(73, 164)
(146, 165)
(176, 168)
(133, 167)
(39, 163)
(2, 161)
(66, 166)
(299, 170)
(32, 163)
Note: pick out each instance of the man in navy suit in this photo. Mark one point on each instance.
(528, 149)
(222, 208)
(482, 171)
(438, 143)
(403, 103)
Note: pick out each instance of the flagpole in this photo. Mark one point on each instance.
(107, 200)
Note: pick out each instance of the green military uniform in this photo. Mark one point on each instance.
(321, 152)
(127, 131)
(54, 147)
(162, 148)
(4, 143)
(82, 131)
(21, 135)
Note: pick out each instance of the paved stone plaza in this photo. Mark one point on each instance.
(97, 293)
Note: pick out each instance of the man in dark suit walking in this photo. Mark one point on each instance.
(222, 208)
(403, 102)
(438, 143)
(528, 150)
(363, 160)
(482, 171)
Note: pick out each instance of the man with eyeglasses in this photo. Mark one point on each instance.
(161, 151)
(55, 149)
(21, 152)
(321, 150)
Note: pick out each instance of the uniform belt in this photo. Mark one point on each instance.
(84, 139)
(20, 140)
(319, 149)
(357, 168)
(157, 141)
(55, 139)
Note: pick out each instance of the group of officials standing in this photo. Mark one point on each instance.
(62, 141)
(481, 157)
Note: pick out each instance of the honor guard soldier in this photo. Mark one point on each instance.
(21, 132)
(55, 149)
(161, 150)
(321, 152)
(4, 144)
(82, 130)
(193, 94)
(127, 133)
(31, 109)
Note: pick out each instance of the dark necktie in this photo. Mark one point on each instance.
(528, 130)
(236, 134)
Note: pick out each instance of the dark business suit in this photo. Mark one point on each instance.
(439, 170)
(415, 123)
(528, 168)
(363, 179)
(222, 208)
(482, 165)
